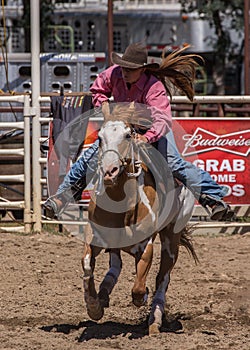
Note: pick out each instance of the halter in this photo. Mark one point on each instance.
(135, 163)
(121, 159)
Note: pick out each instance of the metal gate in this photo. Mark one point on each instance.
(23, 177)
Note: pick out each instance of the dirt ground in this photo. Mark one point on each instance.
(208, 305)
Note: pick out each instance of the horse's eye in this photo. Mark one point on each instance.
(128, 136)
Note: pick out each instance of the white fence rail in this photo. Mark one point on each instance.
(25, 153)
(119, 4)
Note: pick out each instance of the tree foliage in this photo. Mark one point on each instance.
(226, 18)
(223, 16)
(46, 13)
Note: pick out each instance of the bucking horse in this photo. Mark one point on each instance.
(135, 199)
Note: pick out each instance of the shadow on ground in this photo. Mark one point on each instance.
(109, 329)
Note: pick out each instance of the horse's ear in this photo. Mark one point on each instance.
(132, 107)
(106, 111)
(140, 115)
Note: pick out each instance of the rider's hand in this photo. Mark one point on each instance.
(140, 138)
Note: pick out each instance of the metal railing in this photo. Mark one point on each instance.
(24, 152)
(121, 4)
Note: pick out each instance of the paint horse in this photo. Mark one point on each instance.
(126, 212)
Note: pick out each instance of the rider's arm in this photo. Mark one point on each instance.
(102, 88)
(159, 105)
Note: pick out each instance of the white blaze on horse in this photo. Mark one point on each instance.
(135, 199)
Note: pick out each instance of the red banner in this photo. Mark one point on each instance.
(220, 146)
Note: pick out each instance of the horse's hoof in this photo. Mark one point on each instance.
(138, 302)
(103, 296)
(94, 309)
(140, 299)
(154, 329)
(95, 313)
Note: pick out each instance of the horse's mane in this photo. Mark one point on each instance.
(178, 70)
(131, 113)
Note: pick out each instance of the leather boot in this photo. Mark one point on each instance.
(217, 209)
(57, 203)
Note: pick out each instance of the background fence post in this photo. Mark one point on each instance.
(36, 129)
(27, 167)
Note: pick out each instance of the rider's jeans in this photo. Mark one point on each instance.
(197, 180)
(85, 164)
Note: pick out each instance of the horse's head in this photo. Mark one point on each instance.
(114, 146)
(116, 136)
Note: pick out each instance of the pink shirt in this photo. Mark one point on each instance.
(147, 90)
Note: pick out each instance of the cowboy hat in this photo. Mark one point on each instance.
(134, 57)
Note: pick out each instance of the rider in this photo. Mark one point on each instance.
(131, 78)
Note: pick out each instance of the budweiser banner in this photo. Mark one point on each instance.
(220, 146)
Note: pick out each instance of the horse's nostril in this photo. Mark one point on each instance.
(114, 170)
(111, 174)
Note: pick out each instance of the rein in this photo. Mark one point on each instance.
(136, 164)
(137, 168)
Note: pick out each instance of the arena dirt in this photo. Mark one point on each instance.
(208, 305)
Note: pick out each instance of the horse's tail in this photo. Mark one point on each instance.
(186, 242)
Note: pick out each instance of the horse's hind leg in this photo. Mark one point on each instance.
(169, 254)
(93, 305)
(110, 280)
(143, 264)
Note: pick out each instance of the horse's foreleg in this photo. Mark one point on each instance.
(143, 264)
(169, 255)
(93, 305)
(110, 280)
